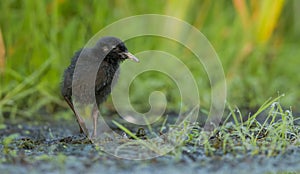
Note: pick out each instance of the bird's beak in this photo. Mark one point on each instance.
(131, 57)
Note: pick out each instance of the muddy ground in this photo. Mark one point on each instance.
(58, 147)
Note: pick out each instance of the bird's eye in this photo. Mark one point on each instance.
(122, 47)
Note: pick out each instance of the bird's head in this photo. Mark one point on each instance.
(114, 49)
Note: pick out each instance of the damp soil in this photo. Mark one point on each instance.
(58, 147)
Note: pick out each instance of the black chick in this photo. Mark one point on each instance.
(109, 49)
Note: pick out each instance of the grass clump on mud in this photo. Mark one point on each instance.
(268, 132)
(269, 136)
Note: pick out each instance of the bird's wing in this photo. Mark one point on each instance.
(102, 79)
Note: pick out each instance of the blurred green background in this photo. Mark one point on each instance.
(257, 42)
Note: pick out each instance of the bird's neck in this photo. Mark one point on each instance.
(113, 59)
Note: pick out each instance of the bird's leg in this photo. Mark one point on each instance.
(80, 122)
(95, 114)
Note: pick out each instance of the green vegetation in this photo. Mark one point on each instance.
(236, 135)
(258, 50)
(269, 138)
